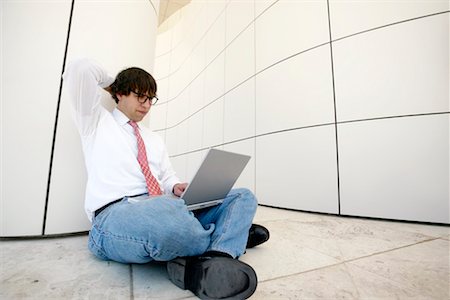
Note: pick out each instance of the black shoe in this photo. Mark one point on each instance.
(213, 277)
(257, 235)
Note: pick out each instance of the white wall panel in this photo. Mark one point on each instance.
(289, 27)
(195, 14)
(94, 33)
(239, 14)
(179, 164)
(178, 109)
(30, 83)
(162, 89)
(194, 160)
(68, 183)
(262, 5)
(215, 39)
(163, 43)
(349, 16)
(214, 10)
(162, 66)
(240, 59)
(295, 93)
(195, 131)
(401, 69)
(297, 169)
(239, 114)
(179, 81)
(198, 59)
(392, 71)
(396, 168)
(197, 94)
(183, 135)
(213, 124)
(157, 116)
(131, 21)
(179, 55)
(172, 141)
(247, 178)
(215, 79)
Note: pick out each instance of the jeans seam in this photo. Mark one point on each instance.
(154, 252)
(227, 224)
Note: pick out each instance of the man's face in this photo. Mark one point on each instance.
(130, 105)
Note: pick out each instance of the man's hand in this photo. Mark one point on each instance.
(179, 188)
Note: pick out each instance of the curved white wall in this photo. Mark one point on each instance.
(343, 105)
(118, 34)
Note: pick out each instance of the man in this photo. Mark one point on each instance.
(132, 192)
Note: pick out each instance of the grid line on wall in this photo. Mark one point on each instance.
(308, 127)
(223, 50)
(270, 66)
(390, 24)
(55, 128)
(154, 8)
(237, 85)
(172, 49)
(255, 136)
(286, 58)
(192, 51)
(204, 35)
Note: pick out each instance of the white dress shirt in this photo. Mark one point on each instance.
(109, 143)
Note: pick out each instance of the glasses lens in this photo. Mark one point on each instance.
(143, 98)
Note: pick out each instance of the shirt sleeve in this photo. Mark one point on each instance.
(84, 79)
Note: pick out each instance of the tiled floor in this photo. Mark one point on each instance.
(309, 256)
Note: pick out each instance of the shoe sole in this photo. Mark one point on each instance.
(213, 275)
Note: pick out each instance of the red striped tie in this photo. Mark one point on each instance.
(152, 184)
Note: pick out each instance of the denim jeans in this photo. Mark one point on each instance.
(162, 228)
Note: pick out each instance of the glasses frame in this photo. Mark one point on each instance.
(143, 98)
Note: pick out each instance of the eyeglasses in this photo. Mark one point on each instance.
(143, 98)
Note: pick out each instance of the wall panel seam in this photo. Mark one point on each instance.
(55, 128)
(335, 110)
(389, 25)
(307, 127)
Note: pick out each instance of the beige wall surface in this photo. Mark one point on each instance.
(343, 105)
(34, 36)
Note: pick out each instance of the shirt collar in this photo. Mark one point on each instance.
(120, 117)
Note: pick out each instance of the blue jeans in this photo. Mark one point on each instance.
(162, 228)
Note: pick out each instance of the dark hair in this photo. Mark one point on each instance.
(133, 79)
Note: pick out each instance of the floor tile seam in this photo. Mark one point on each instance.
(391, 250)
(355, 286)
(391, 279)
(347, 261)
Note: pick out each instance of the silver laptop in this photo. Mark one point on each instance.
(214, 178)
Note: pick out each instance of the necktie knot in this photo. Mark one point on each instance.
(133, 124)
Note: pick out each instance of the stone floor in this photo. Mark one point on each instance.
(309, 256)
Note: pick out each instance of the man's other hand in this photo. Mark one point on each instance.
(179, 188)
